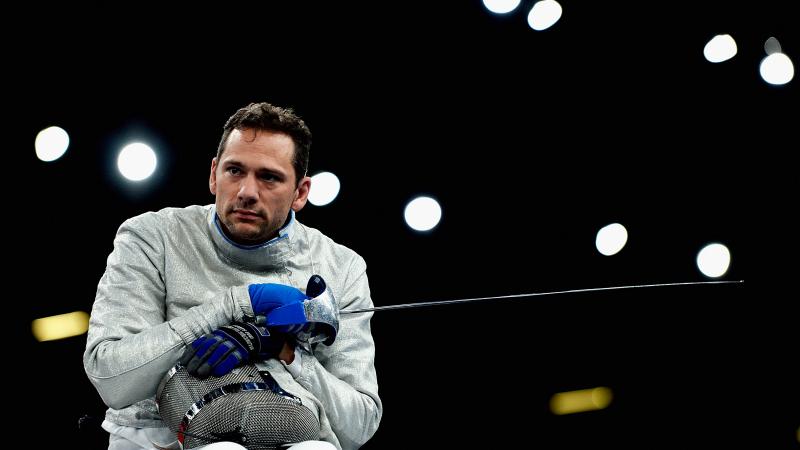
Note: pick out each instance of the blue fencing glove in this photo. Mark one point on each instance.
(268, 296)
(220, 351)
(315, 319)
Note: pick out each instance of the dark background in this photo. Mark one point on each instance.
(531, 141)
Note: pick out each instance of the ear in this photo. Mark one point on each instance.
(212, 178)
(301, 194)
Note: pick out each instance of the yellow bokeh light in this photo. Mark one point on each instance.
(579, 401)
(60, 326)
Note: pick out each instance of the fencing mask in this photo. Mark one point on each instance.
(246, 406)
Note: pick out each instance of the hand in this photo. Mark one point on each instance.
(268, 296)
(225, 348)
(313, 320)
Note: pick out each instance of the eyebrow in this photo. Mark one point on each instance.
(261, 170)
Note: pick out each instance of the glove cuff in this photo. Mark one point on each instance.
(247, 335)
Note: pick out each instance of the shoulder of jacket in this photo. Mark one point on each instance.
(341, 252)
(154, 220)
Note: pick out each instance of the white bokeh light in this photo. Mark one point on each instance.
(423, 213)
(713, 260)
(544, 14)
(324, 188)
(136, 161)
(51, 143)
(611, 239)
(720, 48)
(501, 6)
(777, 68)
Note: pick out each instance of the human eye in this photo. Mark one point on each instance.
(268, 177)
(233, 170)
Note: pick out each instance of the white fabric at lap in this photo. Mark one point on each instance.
(313, 445)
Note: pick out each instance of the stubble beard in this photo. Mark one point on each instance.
(247, 233)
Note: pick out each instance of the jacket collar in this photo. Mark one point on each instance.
(270, 254)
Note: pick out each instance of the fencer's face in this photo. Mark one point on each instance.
(255, 185)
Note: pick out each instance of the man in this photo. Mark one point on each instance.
(179, 277)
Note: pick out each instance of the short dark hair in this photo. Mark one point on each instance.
(264, 116)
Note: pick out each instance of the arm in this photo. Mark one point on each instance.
(342, 376)
(130, 345)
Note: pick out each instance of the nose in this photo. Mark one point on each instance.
(248, 190)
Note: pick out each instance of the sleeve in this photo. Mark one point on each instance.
(130, 344)
(343, 376)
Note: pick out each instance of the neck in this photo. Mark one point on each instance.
(254, 242)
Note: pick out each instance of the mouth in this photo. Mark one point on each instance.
(246, 214)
